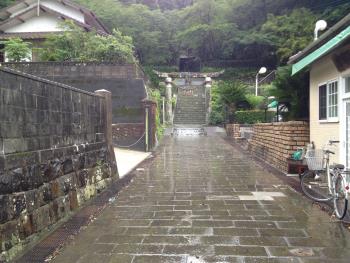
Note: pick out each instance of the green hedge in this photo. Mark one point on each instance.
(254, 116)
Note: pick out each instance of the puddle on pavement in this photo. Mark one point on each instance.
(189, 132)
(261, 196)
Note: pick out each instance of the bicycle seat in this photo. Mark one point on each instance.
(337, 166)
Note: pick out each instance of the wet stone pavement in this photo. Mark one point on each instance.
(201, 200)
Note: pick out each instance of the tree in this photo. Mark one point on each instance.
(4, 3)
(292, 89)
(289, 33)
(17, 50)
(225, 96)
(74, 44)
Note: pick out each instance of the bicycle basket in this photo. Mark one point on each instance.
(314, 160)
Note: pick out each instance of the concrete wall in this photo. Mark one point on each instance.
(126, 134)
(126, 82)
(53, 155)
(275, 142)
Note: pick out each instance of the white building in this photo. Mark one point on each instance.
(33, 20)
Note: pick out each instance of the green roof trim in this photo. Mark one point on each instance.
(273, 104)
(321, 51)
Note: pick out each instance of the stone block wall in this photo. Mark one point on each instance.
(53, 155)
(275, 142)
(126, 82)
(126, 134)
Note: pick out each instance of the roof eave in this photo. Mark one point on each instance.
(321, 40)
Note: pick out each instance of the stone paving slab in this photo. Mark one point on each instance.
(187, 207)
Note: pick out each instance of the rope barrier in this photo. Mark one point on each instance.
(128, 146)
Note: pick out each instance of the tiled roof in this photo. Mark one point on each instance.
(26, 35)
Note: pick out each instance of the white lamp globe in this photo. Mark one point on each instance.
(321, 25)
(262, 70)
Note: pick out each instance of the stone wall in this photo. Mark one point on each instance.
(275, 142)
(126, 134)
(54, 155)
(126, 82)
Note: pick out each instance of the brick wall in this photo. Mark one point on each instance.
(233, 130)
(53, 155)
(125, 134)
(275, 142)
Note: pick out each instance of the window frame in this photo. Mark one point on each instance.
(345, 95)
(329, 119)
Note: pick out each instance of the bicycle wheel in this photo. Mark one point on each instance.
(315, 186)
(340, 201)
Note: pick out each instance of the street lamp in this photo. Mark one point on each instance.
(321, 25)
(261, 71)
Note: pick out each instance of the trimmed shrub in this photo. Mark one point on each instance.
(254, 116)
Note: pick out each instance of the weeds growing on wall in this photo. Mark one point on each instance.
(156, 96)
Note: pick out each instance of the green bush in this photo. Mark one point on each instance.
(254, 116)
(255, 102)
(16, 49)
(216, 117)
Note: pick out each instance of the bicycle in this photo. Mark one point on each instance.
(324, 182)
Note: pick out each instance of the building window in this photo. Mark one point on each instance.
(328, 101)
(347, 85)
(332, 99)
(323, 102)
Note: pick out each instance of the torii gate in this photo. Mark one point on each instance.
(183, 80)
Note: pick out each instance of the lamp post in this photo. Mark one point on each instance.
(261, 71)
(321, 25)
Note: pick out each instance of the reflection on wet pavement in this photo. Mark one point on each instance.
(201, 201)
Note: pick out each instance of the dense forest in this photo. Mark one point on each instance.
(251, 31)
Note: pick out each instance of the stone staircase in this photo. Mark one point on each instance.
(190, 107)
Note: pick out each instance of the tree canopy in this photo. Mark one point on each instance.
(259, 30)
(77, 45)
(266, 31)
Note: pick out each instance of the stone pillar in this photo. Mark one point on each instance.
(150, 124)
(169, 96)
(108, 128)
(207, 85)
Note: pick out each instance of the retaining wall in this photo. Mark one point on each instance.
(54, 155)
(126, 134)
(125, 81)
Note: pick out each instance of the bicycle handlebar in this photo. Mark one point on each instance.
(332, 142)
(328, 151)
